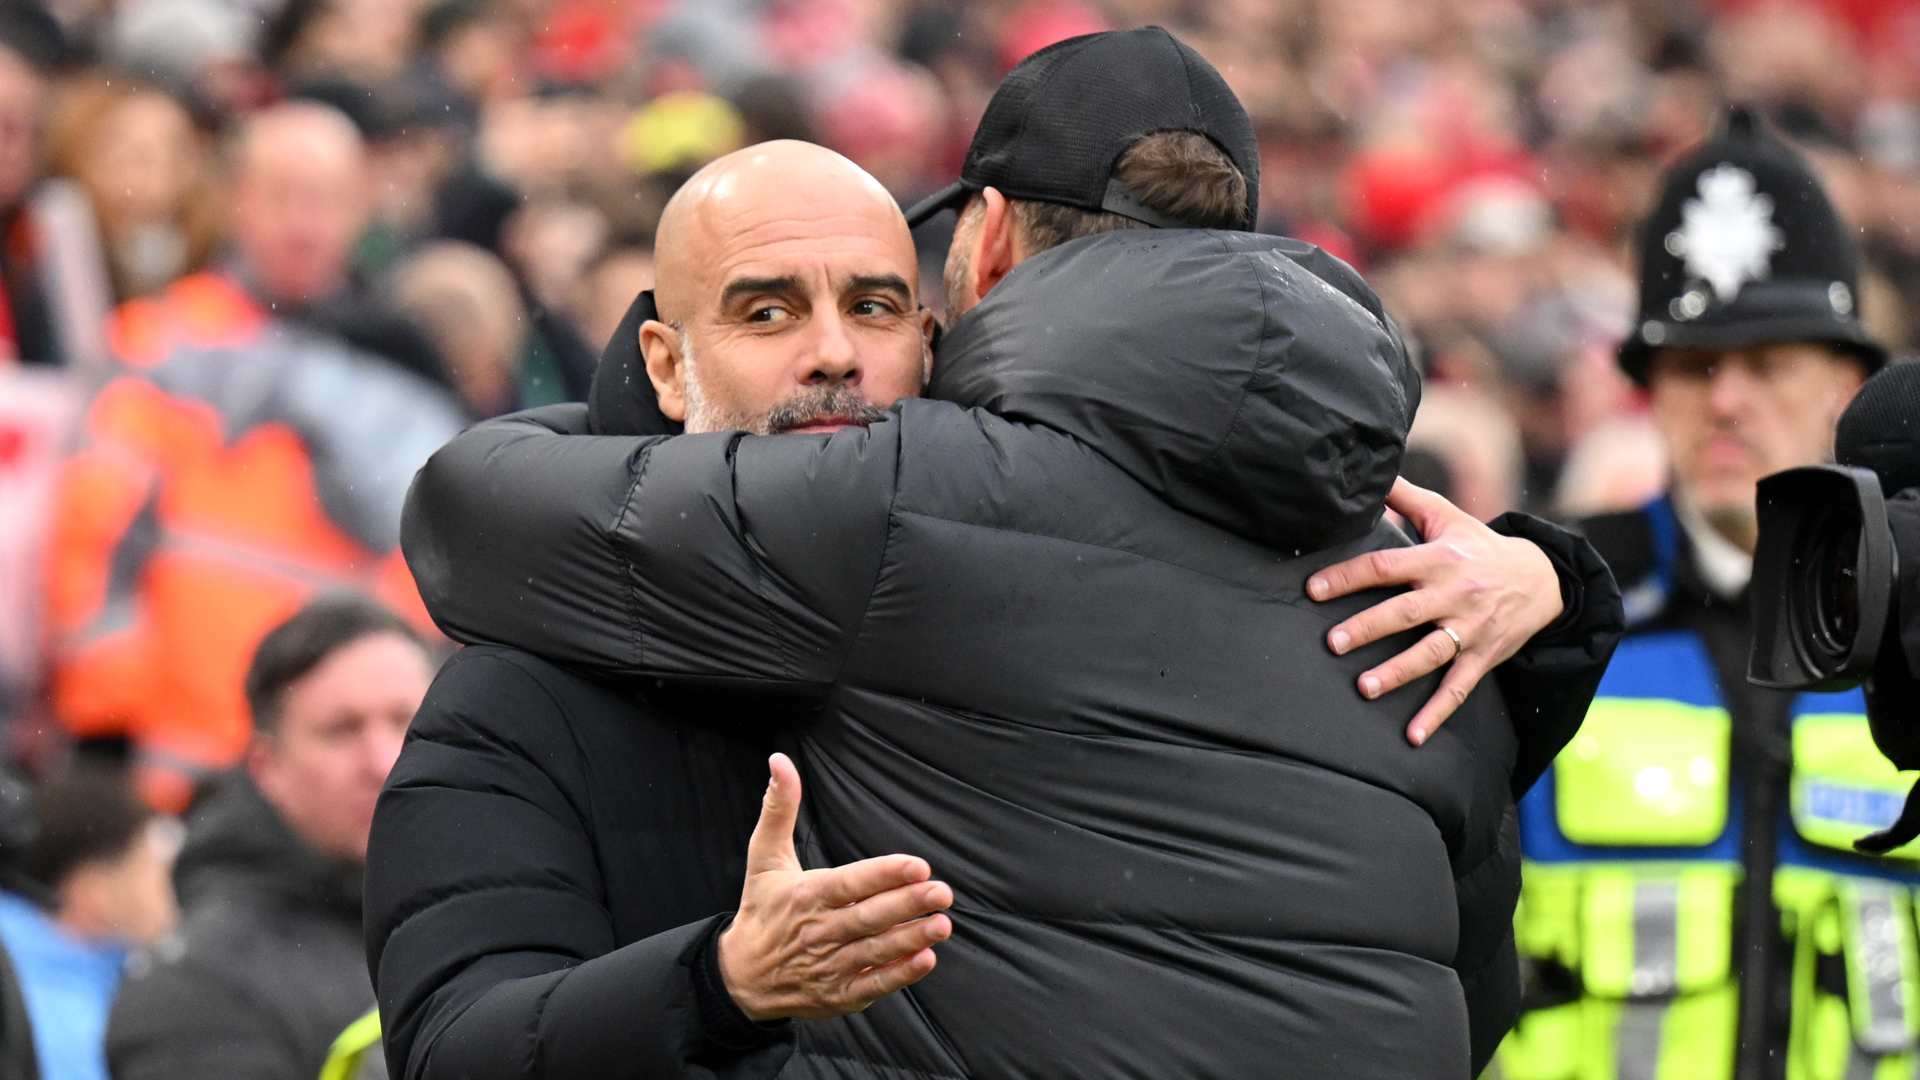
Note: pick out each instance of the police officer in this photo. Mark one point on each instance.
(1692, 907)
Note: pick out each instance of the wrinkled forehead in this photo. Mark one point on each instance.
(821, 243)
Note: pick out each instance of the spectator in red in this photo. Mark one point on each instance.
(254, 460)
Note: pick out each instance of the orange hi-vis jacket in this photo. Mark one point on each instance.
(244, 465)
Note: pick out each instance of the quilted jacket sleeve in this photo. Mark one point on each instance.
(719, 558)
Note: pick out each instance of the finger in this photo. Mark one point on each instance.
(854, 882)
(870, 986)
(1383, 620)
(771, 845)
(890, 908)
(1427, 511)
(1373, 570)
(1425, 657)
(896, 944)
(1446, 700)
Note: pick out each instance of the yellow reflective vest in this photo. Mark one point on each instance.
(1627, 908)
(353, 1054)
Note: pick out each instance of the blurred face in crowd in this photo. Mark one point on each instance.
(1731, 417)
(142, 168)
(608, 290)
(338, 734)
(466, 301)
(144, 159)
(301, 197)
(22, 102)
(787, 294)
(128, 897)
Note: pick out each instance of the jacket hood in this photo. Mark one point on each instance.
(236, 840)
(622, 401)
(1252, 381)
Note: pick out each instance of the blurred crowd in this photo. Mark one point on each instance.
(259, 257)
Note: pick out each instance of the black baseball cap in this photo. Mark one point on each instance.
(1061, 119)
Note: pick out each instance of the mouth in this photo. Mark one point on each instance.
(1725, 450)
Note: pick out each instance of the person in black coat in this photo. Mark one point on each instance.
(982, 603)
(265, 970)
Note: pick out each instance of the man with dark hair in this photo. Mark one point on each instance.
(1181, 176)
(267, 967)
(88, 883)
(1042, 633)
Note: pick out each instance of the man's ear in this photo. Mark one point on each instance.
(260, 764)
(997, 247)
(929, 337)
(660, 348)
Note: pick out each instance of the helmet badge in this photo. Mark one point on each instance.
(1726, 236)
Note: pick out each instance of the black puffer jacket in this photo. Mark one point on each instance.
(1056, 624)
(267, 968)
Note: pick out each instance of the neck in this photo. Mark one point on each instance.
(1723, 547)
(1739, 530)
(82, 923)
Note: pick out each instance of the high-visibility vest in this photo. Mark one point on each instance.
(1627, 908)
(211, 496)
(355, 1047)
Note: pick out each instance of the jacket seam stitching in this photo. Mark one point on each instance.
(879, 563)
(1253, 372)
(769, 611)
(539, 1020)
(573, 737)
(634, 620)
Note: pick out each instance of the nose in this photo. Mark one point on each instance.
(831, 356)
(1729, 387)
(380, 749)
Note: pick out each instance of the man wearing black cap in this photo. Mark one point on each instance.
(1060, 682)
(1693, 906)
(1171, 147)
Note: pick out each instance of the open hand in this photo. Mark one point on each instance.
(811, 944)
(1494, 592)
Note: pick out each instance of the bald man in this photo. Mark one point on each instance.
(301, 196)
(609, 816)
(772, 320)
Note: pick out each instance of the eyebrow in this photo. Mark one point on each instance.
(741, 288)
(888, 283)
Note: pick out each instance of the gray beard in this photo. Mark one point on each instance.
(812, 405)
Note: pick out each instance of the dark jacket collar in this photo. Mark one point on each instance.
(622, 401)
(237, 841)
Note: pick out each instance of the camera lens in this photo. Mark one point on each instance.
(1825, 595)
